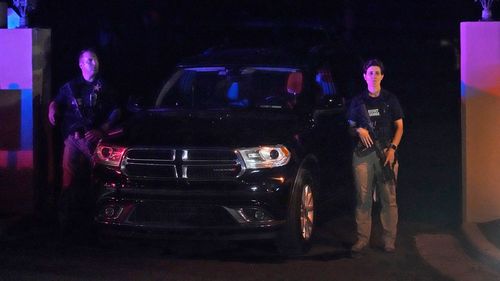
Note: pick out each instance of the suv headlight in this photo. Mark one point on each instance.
(108, 155)
(265, 156)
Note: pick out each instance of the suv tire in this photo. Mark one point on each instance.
(295, 238)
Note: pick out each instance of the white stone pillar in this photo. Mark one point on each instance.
(480, 81)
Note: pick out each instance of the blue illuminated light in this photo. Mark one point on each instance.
(26, 119)
(232, 93)
(463, 88)
(275, 69)
(26, 129)
(205, 69)
(12, 19)
(326, 83)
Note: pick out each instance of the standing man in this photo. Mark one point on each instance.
(86, 110)
(376, 121)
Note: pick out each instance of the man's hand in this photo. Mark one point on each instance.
(389, 157)
(93, 135)
(52, 113)
(364, 135)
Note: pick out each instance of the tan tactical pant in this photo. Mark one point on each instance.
(368, 179)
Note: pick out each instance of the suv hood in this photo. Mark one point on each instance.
(209, 128)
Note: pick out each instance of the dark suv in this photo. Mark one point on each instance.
(239, 144)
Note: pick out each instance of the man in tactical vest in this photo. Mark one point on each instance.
(85, 109)
(376, 121)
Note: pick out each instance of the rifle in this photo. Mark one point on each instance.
(388, 174)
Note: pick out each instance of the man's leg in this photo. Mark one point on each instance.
(389, 212)
(363, 179)
(68, 197)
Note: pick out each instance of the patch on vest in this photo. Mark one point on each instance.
(373, 112)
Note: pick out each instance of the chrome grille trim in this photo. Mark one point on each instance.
(133, 157)
(186, 163)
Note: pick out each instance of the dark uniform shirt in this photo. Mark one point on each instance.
(84, 105)
(382, 111)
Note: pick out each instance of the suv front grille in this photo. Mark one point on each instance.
(190, 164)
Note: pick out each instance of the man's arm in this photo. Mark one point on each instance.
(114, 116)
(364, 136)
(396, 139)
(97, 134)
(362, 129)
(61, 98)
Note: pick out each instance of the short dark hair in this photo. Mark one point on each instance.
(84, 50)
(373, 62)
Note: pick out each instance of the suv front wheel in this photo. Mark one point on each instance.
(296, 235)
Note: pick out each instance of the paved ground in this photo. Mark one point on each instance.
(31, 250)
(491, 231)
(445, 253)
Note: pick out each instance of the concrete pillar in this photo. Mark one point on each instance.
(480, 79)
(24, 92)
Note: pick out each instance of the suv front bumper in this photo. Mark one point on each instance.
(242, 209)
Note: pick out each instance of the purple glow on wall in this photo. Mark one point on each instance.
(480, 86)
(24, 159)
(15, 59)
(16, 159)
(480, 59)
(4, 159)
(16, 88)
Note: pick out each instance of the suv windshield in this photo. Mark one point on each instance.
(222, 87)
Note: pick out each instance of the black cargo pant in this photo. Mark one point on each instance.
(75, 206)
